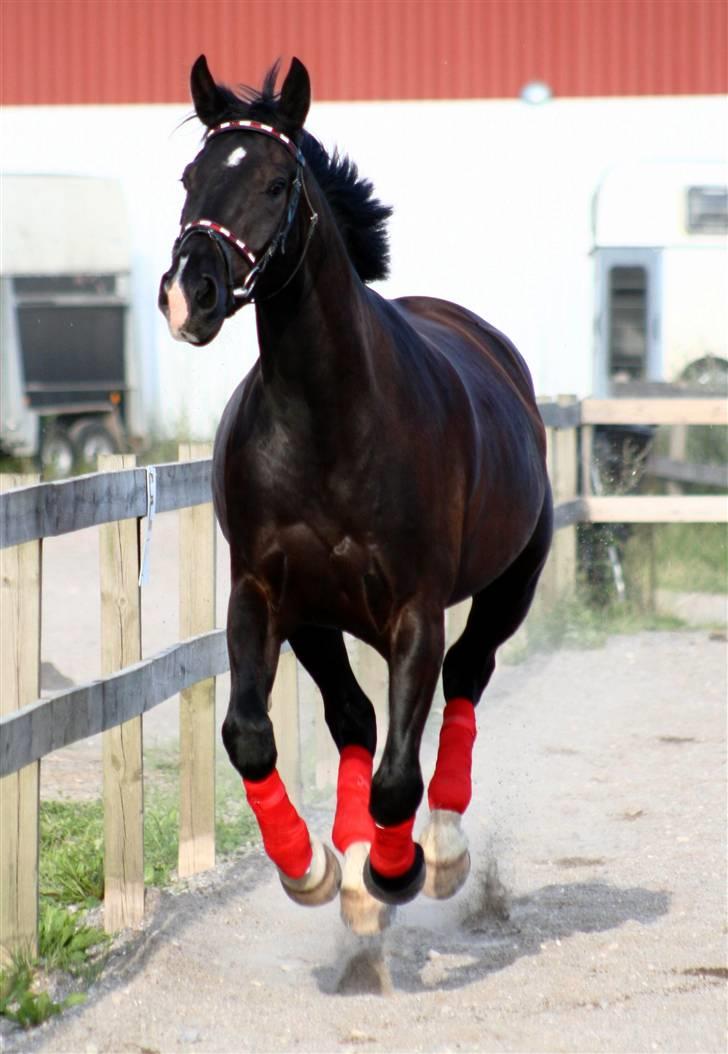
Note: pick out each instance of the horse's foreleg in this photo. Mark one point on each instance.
(395, 871)
(309, 872)
(352, 723)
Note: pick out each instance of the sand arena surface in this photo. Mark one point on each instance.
(594, 919)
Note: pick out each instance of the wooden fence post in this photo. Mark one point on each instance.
(327, 756)
(677, 452)
(284, 713)
(559, 575)
(20, 602)
(122, 746)
(587, 458)
(197, 704)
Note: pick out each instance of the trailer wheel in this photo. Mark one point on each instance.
(90, 438)
(57, 453)
(710, 373)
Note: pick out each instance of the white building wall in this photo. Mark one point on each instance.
(493, 208)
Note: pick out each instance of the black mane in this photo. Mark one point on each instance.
(360, 217)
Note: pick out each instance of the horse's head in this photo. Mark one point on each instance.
(242, 195)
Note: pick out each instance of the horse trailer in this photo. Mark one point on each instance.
(65, 340)
(661, 276)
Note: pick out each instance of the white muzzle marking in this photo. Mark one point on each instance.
(177, 302)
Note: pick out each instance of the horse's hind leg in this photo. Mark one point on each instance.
(496, 614)
(309, 872)
(352, 723)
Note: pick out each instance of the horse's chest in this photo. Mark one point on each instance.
(322, 576)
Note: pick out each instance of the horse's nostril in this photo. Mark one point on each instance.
(206, 294)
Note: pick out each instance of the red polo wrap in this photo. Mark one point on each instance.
(285, 835)
(393, 851)
(451, 787)
(352, 822)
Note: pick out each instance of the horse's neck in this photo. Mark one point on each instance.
(313, 336)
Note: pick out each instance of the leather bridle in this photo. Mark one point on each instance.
(222, 236)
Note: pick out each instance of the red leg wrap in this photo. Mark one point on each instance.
(393, 851)
(353, 822)
(285, 835)
(450, 787)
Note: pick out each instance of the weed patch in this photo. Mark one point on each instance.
(235, 824)
(22, 1003)
(72, 880)
(65, 941)
(72, 852)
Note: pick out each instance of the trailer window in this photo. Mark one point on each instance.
(627, 322)
(708, 210)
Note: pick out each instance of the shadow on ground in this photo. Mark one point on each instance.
(489, 934)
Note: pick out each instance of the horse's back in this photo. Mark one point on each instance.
(492, 371)
(495, 429)
(467, 340)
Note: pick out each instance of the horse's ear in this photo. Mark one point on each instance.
(295, 96)
(208, 101)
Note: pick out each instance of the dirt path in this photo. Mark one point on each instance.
(600, 798)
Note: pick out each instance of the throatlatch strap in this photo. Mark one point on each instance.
(285, 835)
(393, 851)
(451, 787)
(353, 822)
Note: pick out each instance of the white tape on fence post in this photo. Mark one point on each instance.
(151, 472)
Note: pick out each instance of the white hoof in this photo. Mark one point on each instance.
(321, 882)
(446, 854)
(362, 913)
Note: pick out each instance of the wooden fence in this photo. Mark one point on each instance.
(570, 427)
(117, 499)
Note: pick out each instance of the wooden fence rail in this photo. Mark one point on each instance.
(66, 717)
(30, 728)
(45, 510)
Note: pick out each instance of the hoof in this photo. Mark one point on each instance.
(447, 859)
(321, 882)
(399, 890)
(360, 911)
(444, 880)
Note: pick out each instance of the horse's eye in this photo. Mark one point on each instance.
(185, 177)
(276, 188)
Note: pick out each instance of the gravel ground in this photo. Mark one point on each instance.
(594, 919)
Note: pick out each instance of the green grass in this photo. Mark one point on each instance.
(72, 834)
(72, 881)
(72, 852)
(23, 1002)
(235, 824)
(692, 557)
(65, 941)
(577, 623)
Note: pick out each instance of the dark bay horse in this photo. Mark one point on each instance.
(382, 461)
